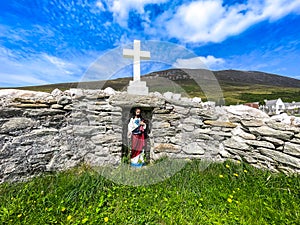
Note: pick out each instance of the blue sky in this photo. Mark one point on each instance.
(54, 41)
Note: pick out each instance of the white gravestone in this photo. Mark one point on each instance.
(137, 87)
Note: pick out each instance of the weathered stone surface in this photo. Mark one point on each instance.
(240, 132)
(64, 100)
(43, 132)
(220, 133)
(42, 112)
(194, 121)
(282, 126)
(252, 123)
(219, 123)
(237, 143)
(246, 111)
(158, 125)
(104, 138)
(123, 99)
(172, 116)
(270, 132)
(56, 92)
(88, 130)
(30, 106)
(24, 100)
(281, 157)
(275, 141)
(189, 128)
(16, 93)
(10, 112)
(292, 149)
(57, 106)
(17, 123)
(161, 111)
(263, 144)
(193, 149)
(295, 140)
(249, 159)
(166, 147)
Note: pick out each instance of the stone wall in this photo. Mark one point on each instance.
(50, 132)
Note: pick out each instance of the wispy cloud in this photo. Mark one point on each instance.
(39, 68)
(208, 62)
(121, 8)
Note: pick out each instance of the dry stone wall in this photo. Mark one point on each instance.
(42, 132)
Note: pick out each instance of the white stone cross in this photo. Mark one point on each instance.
(137, 55)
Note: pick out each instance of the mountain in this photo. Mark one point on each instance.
(236, 86)
(232, 76)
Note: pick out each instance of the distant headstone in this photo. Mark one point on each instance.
(137, 87)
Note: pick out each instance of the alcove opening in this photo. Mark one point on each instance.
(127, 113)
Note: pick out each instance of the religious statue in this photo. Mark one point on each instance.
(136, 131)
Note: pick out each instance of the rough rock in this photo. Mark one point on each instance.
(56, 92)
(109, 91)
(246, 112)
(88, 130)
(166, 147)
(252, 123)
(292, 149)
(30, 106)
(263, 144)
(16, 124)
(236, 143)
(193, 149)
(275, 141)
(240, 132)
(64, 100)
(57, 106)
(270, 132)
(219, 123)
(281, 157)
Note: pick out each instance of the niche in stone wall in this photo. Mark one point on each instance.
(127, 113)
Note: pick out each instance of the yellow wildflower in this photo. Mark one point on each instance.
(84, 220)
(238, 162)
(227, 166)
(19, 215)
(229, 200)
(69, 217)
(106, 219)
(245, 171)
(63, 209)
(235, 174)
(221, 176)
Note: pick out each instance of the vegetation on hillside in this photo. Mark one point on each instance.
(233, 89)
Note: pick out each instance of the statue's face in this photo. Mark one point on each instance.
(137, 112)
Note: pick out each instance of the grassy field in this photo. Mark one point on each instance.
(224, 193)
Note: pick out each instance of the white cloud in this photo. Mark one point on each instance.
(121, 8)
(210, 21)
(209, 62)
(100, 5)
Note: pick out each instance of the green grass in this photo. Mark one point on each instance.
(242, 195)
